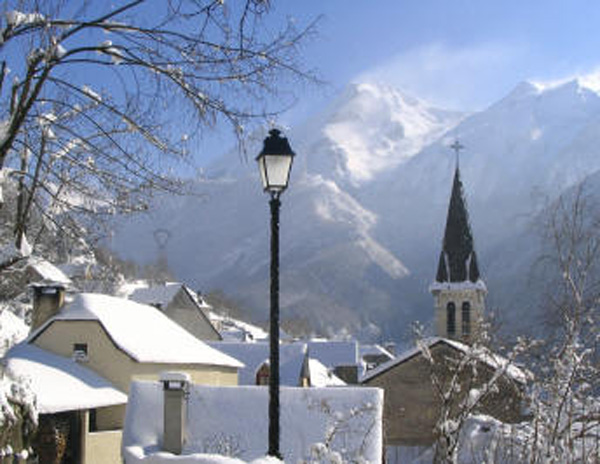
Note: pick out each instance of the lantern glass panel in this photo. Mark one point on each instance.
(275, 171)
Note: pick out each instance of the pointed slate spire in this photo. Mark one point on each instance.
(458, 261)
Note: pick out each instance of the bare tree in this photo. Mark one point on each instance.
(570, 231)
(468, 380)
(97, 101)
(565, 402)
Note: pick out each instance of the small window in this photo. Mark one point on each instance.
(93, 425)
(80, 352)
(451, 319)
(262, 376)
(466, 318)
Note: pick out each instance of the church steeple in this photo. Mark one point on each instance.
(458, 261)
(458, 289)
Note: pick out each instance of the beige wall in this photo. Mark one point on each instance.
(102, 447)
(185, 312)
(412, 407)
(116, 366)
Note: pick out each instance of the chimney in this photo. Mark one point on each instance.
(176, 388)
(47, 301)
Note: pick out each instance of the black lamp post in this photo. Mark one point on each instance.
(275, 164)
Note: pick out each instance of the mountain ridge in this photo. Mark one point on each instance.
(362, 221)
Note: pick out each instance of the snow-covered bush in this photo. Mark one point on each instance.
(18, 413)
(565, 407)
(338, 445)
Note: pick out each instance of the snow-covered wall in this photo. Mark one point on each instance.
(342, 423)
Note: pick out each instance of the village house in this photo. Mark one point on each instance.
(181, 304)
(314, 362)
(69, 398)
(117, 341)
(298, 367)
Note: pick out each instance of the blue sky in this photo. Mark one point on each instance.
(456, 54)
(462, 54)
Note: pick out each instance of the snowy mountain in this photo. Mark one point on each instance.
(520, 154)
(363, 219)
(370, 129)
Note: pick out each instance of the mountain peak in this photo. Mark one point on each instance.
(577, 85)
(374, 127)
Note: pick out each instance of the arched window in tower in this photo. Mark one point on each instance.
(466, 318)
(451, 319)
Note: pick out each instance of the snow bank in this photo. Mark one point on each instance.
(233, 420)
(136, 455)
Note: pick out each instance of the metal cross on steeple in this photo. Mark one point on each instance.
(457, 147)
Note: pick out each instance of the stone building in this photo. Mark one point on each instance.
(412, 404)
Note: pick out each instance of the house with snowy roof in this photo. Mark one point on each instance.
(181, 304)
(297, 366)
(102, 343)
(175, 421)
(69, 397)
(314, 362)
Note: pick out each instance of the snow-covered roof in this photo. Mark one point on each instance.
(291, 357)
(59, 383)
(153, 295)
(235, 330)
(456, 286)
(373, 350)
(321, 376)
(334, 353)
(141, 331)
(493, 360)
(350, 417)
(48, 272)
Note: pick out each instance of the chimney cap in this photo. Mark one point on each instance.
(175, 380)
(168, 376)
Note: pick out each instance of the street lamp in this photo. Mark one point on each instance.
(275, 164)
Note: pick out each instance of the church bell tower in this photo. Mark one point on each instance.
(458, 290)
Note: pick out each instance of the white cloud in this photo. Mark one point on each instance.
(462, 78)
